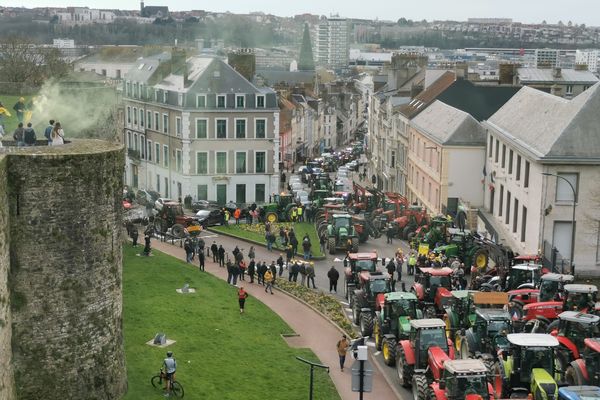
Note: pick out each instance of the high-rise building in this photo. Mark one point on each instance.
(332, 43)
(546, 58)
(589, 58)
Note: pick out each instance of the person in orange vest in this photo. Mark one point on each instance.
(236, 214)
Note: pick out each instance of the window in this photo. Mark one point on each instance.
(202, 192)
(518, 177)
(221, 128)
(166, 123)
(510, 161)
(128, 115)
(240, 162)
(142, 147)
(221, 162)
(156, 99)
(158, 183)
(135, 141)
(135, 115)
(393, 160)
(221, 101)
(165, 96)
(240, 128)
(561, 238)
(165, 155)
(150, 149)
(526, 177)
(259, 195)
(201, 128)
(202, 163)
(503, 156)
(497, 150)
(515, 215)
(507, 216)
(501, 201)
(240, 193)
(490, 146)
(523, 223)
(201, 101)
(240, 101)
(156, 121)
(260, 162)
(178, 126)
(157, 153)
(178, 161)
(149, 119)
(142, 118)
(260, 131)
(563, 189)
(260, 101)
(128, 88)
(166, 187)
(569, 89)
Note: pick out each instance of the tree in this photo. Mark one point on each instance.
(402, 21)
(306, 61)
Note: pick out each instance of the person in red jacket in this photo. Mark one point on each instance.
(237, 214)
(242, 296)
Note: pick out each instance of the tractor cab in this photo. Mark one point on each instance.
(492, 325)
(524, 276)
(586, 370)
(576, 327)
(374, 283)
(363, 262)
(552, 285)
(580, 297)
(463, 380)
(429, 336)
(433, 285)
(283, 199)
(399, 308)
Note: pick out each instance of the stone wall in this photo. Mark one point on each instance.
(65, 271)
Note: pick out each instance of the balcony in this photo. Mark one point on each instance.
(134, 155)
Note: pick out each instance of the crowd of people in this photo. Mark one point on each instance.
(24, 135)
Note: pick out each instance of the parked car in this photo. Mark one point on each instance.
(198, 205)
(209, 217)
(145, 197)
(158, 204)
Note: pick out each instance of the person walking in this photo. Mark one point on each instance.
(302, 271)
(251, 253)
(201, 260)
(289, 254)
(221, 253)
(235, 272)
(273, 269)
(269, 279)
(310, 275)
(391, 268)
(300, 213)
(399, 264)
(389, 233)
(280, 264)
(322, 242)
(134, 236)
(242, 265)
(333, 276)
(262, 270)
(342, 347)
(189, 251)
(229, 272)
(147, 247)
(226, 217)
(412, 262)
(294, 242)
(215, 251)
(269, 239)
(19, 107)
(306, 245)
(242, 296)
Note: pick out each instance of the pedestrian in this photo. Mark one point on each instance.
(226, 216)
(189, 252)
(289, 254)
(251, 252)
(57, 135)
(270, 239)
(306, 245)
(200, 245)
(3, 113)
(236, 214)
(273, 269)
(300, 213)
(242, 296)
(269, 279)
(399, 264)
(412, 262)
(221, 252)
(29, 135)
(389, 233)
(293, 242)
(295, 271)
(391, 268)
(342, 348)
(229, 272)
(242, 266)
(282, 236)
(309, 213)
(261, 273)
(302, 271)
(215, 251)
(280, 264)
(19, 135)
(322, 242)
(294, 214)
(310, 275)
(201, 260)
(19, 107)
(235, 272)
(134, 236)
(251, 269)
(283, 178)
(333, 276)
(147, 247)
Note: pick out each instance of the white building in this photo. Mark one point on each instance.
(589, 58)
(546, 58)
(333, 43)
(63, 43)
(536, 133)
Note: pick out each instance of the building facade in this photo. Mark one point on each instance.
(332, 43)
(194, 126)
(589, 58)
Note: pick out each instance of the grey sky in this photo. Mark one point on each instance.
(578, 11)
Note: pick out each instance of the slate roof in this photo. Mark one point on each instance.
(550, 127)
(427, 96)
(273, 77)
(144, 68)
(449, 126)
(567, 76)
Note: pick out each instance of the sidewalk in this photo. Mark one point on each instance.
(315, 331)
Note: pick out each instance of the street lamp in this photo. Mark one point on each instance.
(572, 218)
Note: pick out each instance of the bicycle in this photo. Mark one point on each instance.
(176, 388)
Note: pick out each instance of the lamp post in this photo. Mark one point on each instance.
(572, 218)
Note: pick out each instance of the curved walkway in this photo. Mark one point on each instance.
(316, 333)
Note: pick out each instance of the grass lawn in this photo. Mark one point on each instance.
(256, 232)
(220, 354)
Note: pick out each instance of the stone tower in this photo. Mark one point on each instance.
(306, 61)
(60, 272)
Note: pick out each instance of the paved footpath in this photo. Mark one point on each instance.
(316, 333)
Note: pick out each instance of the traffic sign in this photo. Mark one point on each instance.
(367, 380)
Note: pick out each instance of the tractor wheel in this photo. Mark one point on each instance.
(500, 380)
(481, 259)
(388, 349)
(489, 364)
(178, 231)
(553, 325)
(403, 369)
(465, 350)
(366, 324)
(355, 245)
(561, 362)
(355, 311)
(271, 217)
(410, 236)
(331, 245)
(159, 225)
(405, 232)
(574, 375)
(450, 333)
(377, 334)
(420, 387)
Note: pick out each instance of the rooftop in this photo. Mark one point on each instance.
(532, 339)
(557, 277)
(566, 76)
(437, 271)
(574, 316)
(459, 367)
(394, 296)
(427, 323)
(581, 288)
(494, 314)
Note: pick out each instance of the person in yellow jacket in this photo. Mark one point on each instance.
(3, 113)
(269, 280)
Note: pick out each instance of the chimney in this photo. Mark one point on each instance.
(556, 73)
(507, 73)
(556, 90)
(244, 62)
(179, 63)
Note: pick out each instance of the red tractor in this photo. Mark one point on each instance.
(357, 263)
(586, 370)
(433, 288)
(171, 216)
(420, 359)
(367, 299)
(551, 289)
(462, 379)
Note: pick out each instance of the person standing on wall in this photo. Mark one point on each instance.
(58, 135)
(48, 131)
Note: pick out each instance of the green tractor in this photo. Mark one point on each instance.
(527, 368)
(431, 234)
(460, 312)
(280, 209)
(392, 322)
(341, 234)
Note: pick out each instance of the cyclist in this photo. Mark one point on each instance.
(170, 367)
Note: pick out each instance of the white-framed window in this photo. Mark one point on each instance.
(157, 154)
(135, 141)
(142, 114)
(202, 192)
(260, 128)
(563, 189)
(240, 128)
(178, 126)
(260, 101)
(240, 162)
(156, 121)
(221, 158)
(221, 101)
(180, 99)
(135, 115)
(201, 128)
(221, 128)
(165, 123)
(149, 150)
(178, 160)
(129, 146)
(142, 147)
(165, 96)
(260, 162)
(569, 89)
(128, 115)
(201, 101)
(165, 155)
(201, 162)
(149, 119)
(240, 101)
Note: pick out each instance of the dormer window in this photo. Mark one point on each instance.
(221, 101)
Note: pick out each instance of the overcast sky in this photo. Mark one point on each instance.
(578, 11)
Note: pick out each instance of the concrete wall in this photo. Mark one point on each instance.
(465, 173)
(65, 271)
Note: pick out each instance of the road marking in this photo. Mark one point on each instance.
(370, 344)
(348, 310)
(377, 353)
(344, 303)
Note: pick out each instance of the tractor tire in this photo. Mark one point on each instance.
(271, 217)
(553, 325)
(562, 358)
(481, 260)
(366, 324)
(489, 364)
(405, 232)
(500, 381)
(159, 226)
(355, 245)
(355, 311)
(331, 245)
(405, 372)
(410, 237)
(378, 334)
(465, 351)
(574, 375)
(420, 387)
(178, 231)
(388, 349)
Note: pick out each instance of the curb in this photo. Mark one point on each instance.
(389, 381)
(261, 244)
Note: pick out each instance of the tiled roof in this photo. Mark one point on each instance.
(427, 96)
